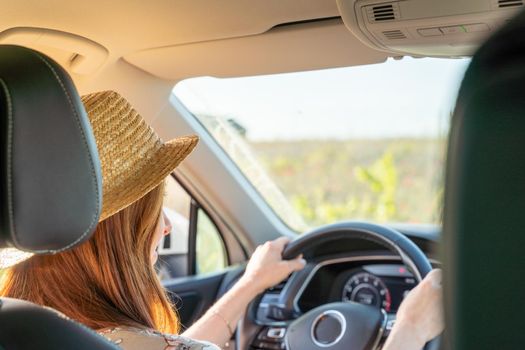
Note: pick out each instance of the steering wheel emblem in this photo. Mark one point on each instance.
(328, 328)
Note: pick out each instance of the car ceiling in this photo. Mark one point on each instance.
(174, 39)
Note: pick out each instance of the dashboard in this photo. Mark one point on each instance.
(379, 283)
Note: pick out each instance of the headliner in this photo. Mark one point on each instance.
(175, 39)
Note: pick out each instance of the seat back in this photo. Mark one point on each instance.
(26, 326)
(50, 180)
(484, 215)
(50, 188)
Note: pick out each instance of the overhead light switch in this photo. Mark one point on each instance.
(429, 32)
(477, 27)
(452, 30)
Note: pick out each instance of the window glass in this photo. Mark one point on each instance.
(173, 248)
(364, 142)
(211, 253)
(177, 207)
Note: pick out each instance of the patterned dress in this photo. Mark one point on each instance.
(139, 339)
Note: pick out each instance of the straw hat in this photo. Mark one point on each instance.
(133, 158)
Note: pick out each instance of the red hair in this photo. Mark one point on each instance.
(107, 281)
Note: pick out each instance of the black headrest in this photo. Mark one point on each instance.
(484, 219)
(50, 179)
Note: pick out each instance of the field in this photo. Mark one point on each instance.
(389, 180)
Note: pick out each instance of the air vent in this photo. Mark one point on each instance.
(509, 3)
(394, 34)
(383, 12)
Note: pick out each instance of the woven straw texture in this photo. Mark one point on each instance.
(133, 157)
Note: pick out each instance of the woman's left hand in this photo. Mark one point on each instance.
(267, 268)
(420, 315)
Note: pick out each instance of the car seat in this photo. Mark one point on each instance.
(50, 188)
(484, 210)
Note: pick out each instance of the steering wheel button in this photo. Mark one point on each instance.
(268, 346)
(276, 333)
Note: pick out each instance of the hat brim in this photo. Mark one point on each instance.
(142, 180)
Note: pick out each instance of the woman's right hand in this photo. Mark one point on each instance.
(420, 315)
(267, 268)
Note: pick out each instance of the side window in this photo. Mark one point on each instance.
(195, 245)
(173, 249)
(211, 253)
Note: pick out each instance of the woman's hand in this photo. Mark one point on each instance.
(420, 316)
(267, 268)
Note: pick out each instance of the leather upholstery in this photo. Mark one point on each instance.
(484, 231)
(25, 326)
(50, 188)
(50, 179)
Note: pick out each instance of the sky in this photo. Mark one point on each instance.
(405, 98)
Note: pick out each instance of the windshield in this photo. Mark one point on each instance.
(365, 142)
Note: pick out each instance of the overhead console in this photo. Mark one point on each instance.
(439, 28)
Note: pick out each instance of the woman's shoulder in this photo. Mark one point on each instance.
(134, 339)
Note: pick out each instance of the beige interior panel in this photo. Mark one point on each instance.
(175, 39)
(148, 94)
(125, 26)
(308, 46)
(78, 54)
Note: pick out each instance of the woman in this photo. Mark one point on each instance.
(111, 282)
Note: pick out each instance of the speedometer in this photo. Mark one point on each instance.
(365, 288)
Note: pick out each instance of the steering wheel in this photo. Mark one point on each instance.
(343, 325)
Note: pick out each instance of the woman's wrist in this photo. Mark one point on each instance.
(404, 336)
(249, 285)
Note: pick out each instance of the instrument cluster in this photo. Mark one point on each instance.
(380, 284)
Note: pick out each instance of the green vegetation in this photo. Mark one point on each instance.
(314, 182)
(389, 180)
(210, 249)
